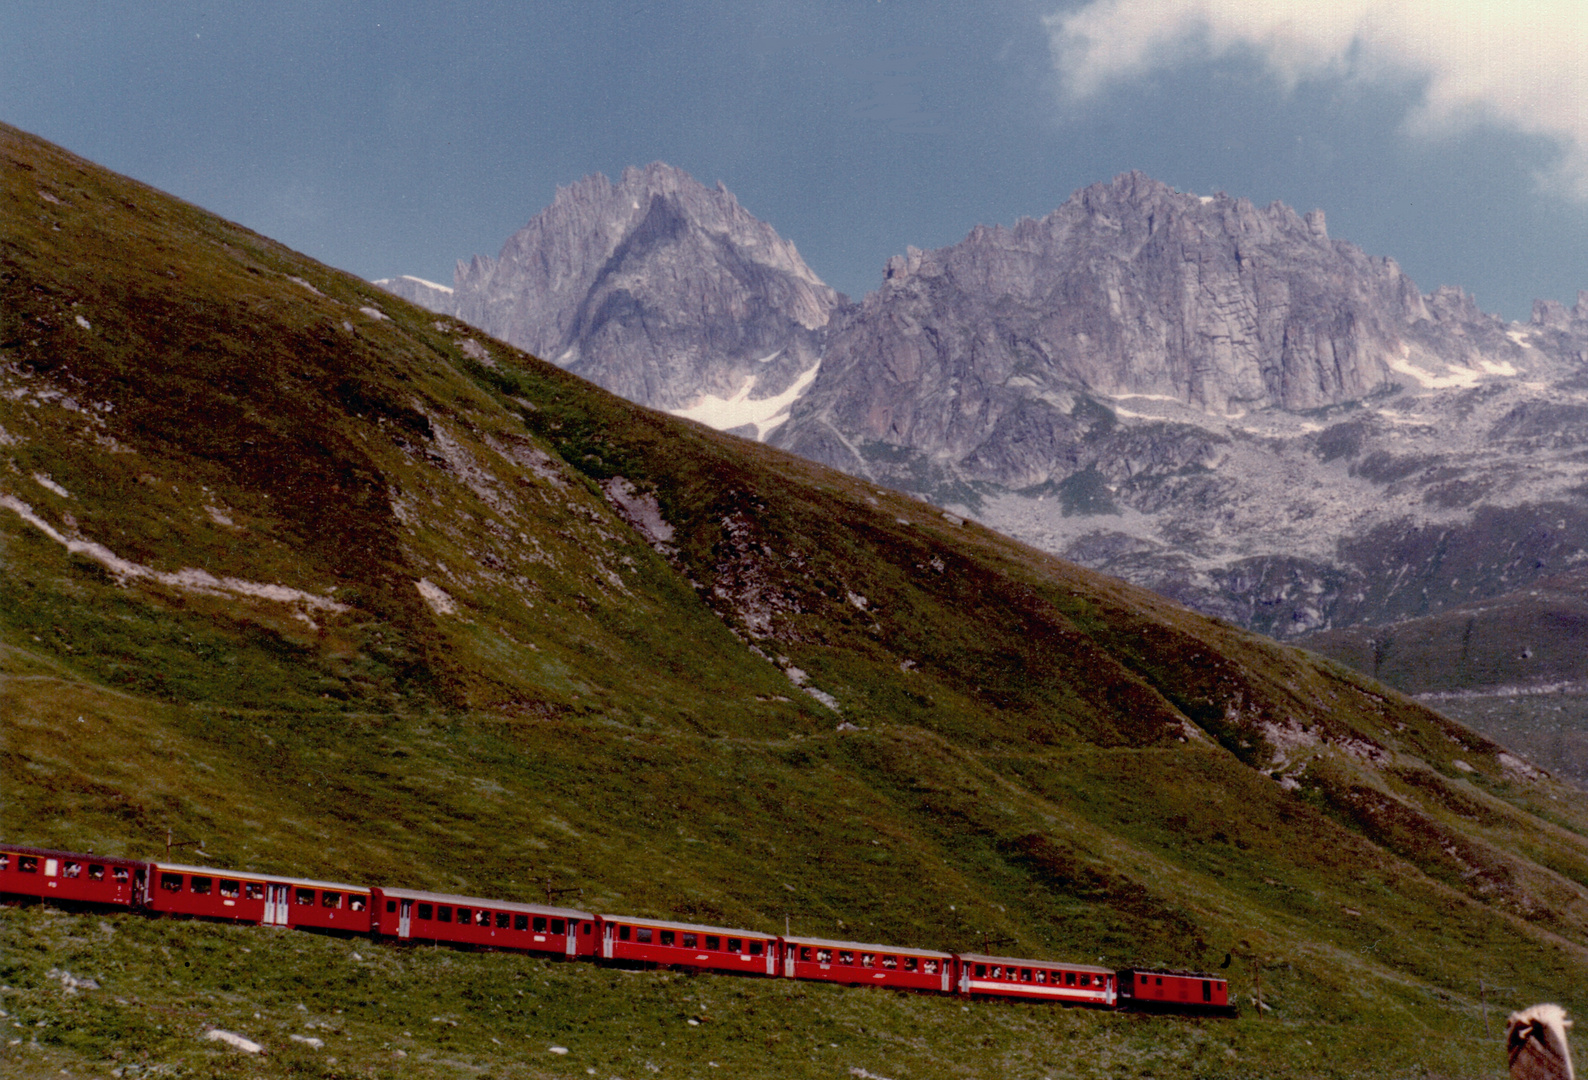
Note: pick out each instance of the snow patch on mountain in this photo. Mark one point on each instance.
(762, 415)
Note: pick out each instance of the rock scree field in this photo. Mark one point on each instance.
(341, 588)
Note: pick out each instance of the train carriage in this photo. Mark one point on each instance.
(1158, 990)
(858, 963)
(68, 877)
(712, 948)
(267, 899)
(1036, 980)
(413, 915)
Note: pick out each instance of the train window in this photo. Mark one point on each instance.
(73, 869)
(981, 971)
(465, 917)
(1146, 980)
(168, 882)
(735, 945)
(391, 907)
(586, 929)
(305, 897)
(482, 918)
(689, 941)
(120, 874)
(868, 960)
(909, 963)
(556, 926)
(503, 920)
(5, 861)
(1086, 980)
(755, 948)
(443, 913)
(713, 943)
(1069, 978)
(805, 954)
(29, 864)
(540, 924)
(355, 903)
(997, 972)
(96, 873)
(846, 957)
(1207, 990)
(1042, 977)
(253, 890)
(200, 885)
(1025, 974)
(426, 911)
(642, 935)
(623, 933)
(823, 956)
(330, 899)
(667, 937)
(890, 962)
(520, 922)
(1160, 980)
(229, 889)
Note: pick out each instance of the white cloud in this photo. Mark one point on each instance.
(1519, 65)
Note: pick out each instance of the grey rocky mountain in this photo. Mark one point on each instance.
(1209, 398)
(658, 288)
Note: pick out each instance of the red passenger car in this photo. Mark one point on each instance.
(1036, 980)
(713, 948)
(67, 877)
(869, 965)
(469, 920)
(1174, 991)
(266, 899)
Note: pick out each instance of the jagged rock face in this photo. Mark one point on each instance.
(657, 288)
(1128, 288)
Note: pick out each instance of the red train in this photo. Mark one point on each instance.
(164, 888)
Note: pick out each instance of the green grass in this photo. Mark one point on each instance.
(1030, 751)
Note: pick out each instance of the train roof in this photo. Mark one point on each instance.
(1015, 961)
(485, 902)
(1184, 973)
(734, 931)
(86, 856)
(869, 946)
(254, 875)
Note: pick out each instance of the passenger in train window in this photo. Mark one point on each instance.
(465, 917)
(689, 941)
(73, 869)
(120, 874)
(29, 864)
(667, 937)
(200, 885)
(96, 873)
(5, 862)
(909, 963)
(355, 903)
(824, 956)
(1025, 974)
(846, 957)
(168, 882)
(253, 890)
(1069, 978)
(229, 889)
(330, 899)
(805, 955)
(997, 972)
(1042, 976)
(930, 967)
(890, 962)
(482, 918)
(306, 896)
(735, 945)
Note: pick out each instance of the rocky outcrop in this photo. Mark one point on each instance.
(657, 288)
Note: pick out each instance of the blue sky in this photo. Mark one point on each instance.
(390, 138)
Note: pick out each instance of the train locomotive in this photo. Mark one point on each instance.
(379, 912)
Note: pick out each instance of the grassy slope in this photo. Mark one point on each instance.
(1043, 755)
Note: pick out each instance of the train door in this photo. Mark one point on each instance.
(788, 959)
(771, 958)
(948, 976)
(276, 909)
(405, 919)
(571, 942)
(607, 932)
